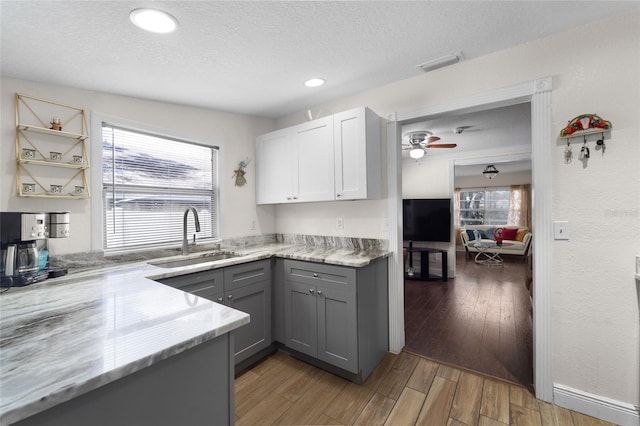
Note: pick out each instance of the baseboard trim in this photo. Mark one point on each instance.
(597, 406)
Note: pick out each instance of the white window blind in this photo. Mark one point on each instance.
(148, 183)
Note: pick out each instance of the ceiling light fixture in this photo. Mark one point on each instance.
(314, 82)
(490, 171)
(153, 20)
(441, 62)
(416, 153)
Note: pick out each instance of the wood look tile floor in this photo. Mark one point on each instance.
(479, 320)
(404, 389)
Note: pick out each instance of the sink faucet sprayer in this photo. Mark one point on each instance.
(185, 246)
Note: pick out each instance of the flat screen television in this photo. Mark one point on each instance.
(427, 219)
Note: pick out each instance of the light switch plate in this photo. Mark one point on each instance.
(561, 230)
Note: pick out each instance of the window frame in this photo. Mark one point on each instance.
(96, 173)
(484, 210)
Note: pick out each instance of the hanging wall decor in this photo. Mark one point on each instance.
(238, 174)
(581, 127)
(585, 124)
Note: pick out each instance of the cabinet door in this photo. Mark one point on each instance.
(255, 300)
(314, 142)
(357, 154)
(337, 328)
(275, 168)
(300, 318)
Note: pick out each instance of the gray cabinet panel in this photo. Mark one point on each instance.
(337, 314)
(245, 274)
(277, 302)
(315, 274)
(337, 328)
(210, 281)
(301, 318)
(245, 287)
(254, 300)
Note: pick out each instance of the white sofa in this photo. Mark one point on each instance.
(520, 248)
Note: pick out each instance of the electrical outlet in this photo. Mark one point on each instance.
(340, 223)
(561, 230)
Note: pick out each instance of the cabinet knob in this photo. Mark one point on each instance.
(288, 198)
(319, 292)
(315, 275)
(338, 195)
(295, 198)
(311, 291)
(230, 296)
(220, 300)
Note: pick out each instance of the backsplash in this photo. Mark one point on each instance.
(96, 259)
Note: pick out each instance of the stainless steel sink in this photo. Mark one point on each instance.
(207, 257)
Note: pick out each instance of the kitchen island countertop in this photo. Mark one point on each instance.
(67, 336)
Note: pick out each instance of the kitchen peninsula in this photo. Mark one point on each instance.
(113, 346)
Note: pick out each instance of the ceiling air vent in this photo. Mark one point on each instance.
(443, 61)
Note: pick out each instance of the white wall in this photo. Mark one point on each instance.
(234, 134)
(595, 69)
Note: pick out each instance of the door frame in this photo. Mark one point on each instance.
(538, 94)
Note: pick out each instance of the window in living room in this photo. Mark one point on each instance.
(148, 182)
(484, 206)
(507, 206)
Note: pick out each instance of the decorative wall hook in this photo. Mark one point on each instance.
(585, 124)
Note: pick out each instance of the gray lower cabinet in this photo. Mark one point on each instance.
(245, 287)
(338, 315)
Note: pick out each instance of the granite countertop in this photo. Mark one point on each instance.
(67, 336)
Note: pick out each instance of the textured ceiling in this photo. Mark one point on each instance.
(253, 57)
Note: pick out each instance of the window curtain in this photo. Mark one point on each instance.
(520, 205)
(456, 215)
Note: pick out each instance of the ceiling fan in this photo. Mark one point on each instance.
(419, 141)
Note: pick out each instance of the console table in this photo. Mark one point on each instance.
(424, 264)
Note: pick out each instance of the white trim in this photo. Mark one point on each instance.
(613, 411)
(538, 92)
(394, 214)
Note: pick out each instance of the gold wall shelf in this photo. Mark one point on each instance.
(49, 158)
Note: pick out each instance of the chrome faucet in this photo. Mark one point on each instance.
(185, 245)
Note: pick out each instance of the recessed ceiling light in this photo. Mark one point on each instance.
(153, 20)
(314, 82)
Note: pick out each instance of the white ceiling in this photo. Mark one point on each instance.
(253, 57)
(485, 131)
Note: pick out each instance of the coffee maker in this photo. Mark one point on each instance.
(22, 239)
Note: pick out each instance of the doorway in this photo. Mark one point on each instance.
(537, 92)
(481, 319)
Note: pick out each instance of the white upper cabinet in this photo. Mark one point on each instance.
(356, 139)
(314, 143)
(276, 170)
(331, 158)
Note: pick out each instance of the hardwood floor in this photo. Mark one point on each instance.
(404, 389)
(480, 320)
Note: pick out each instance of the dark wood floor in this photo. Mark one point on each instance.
(480, 320)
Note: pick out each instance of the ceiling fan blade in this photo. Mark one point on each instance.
(432, 139)
(443, 145)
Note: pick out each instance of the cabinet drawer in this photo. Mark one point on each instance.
(197, 283)
(248, 273)
(318, 274)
